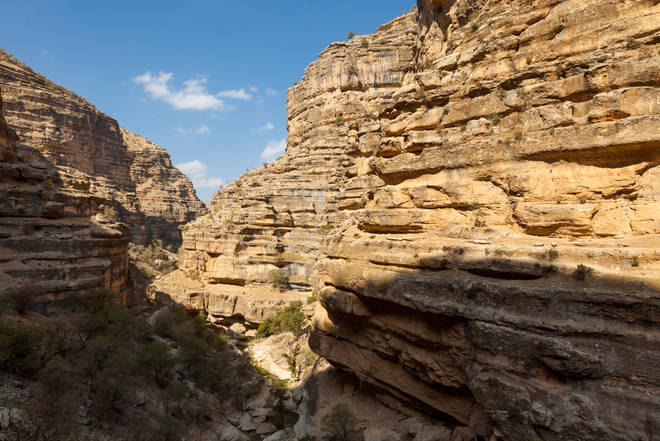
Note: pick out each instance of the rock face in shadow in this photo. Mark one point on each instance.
(150, 196)
(475, 192)
(54, 237)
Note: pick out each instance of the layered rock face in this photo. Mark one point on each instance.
(478, 185)
(274, 218)
(166, 196)
(98, 157)
(490, 224)
(501, 263)
(53, 238)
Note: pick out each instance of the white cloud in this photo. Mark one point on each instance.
(266, 127)
(239, 94)
(193, 95)
(271, 92)
(203, 130)
(254, 89)
(273, 149)
(196, 171)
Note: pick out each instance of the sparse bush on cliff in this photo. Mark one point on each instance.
(350, 35)
(153, 255)
(22, 301)
(341, 425)
(278, 279)
(583, 272)
(289, 319)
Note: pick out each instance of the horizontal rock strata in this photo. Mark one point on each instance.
(477, 186)
(274, 218)
(501, 265)
(53, 238)
(150, 196)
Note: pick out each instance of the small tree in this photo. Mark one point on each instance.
(279, 279)
(340, 424)
(350, 35)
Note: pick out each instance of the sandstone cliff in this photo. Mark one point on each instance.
(479, 186)
(503, 268)
(150, 195)
(53, 237)
(274, 218)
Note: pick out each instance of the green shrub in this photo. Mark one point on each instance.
(278, 279)
(635, 261)
(155, 358)
(22, 301)
(583, 272)
(289, 318)
(24, 349)
(350, 35)
(552, 255)
(310, 358)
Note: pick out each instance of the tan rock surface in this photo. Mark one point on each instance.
(523, 142)
(275, 217)
(150, 196)
(53, 239)
(477, 185)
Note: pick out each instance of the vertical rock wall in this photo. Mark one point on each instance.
(475, 187)
(505, 271)
(53, 238)
(149, 195)
(275, 218)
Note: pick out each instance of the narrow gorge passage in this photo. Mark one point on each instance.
(459, 241)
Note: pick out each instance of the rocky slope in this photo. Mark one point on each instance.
(478, 186)
(53, 237)
(150, 195)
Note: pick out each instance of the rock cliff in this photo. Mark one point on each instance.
(53, 237)
(149, 195)
(478, 187)
(503, 268)
(273, 219)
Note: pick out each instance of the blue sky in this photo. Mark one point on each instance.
(205, 79)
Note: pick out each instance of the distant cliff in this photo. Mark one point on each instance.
(151, 196)
(474, 193)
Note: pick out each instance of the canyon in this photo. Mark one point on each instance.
(471, 193)
(134, 175)
(75, 188)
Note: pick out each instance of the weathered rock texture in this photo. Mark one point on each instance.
(53, 237)
(479, 183)
(522, 142)
(150, 195)
(274, 218)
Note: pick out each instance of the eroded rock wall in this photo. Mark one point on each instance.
(149, 195)
(275, 217)
(503, 269)
(53, 238)
(474, 190)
